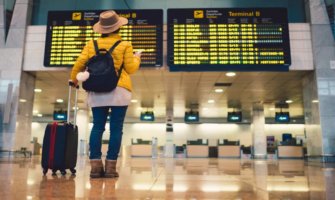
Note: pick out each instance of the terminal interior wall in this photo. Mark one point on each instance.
(296, 11)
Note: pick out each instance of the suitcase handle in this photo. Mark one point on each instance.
(75, 104)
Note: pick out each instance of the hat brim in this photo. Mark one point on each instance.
(104, 30)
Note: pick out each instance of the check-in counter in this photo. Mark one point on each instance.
(141, 148)
(229, 149)
(290, 151)
(197, 148)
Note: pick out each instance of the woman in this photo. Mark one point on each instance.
(115, 101)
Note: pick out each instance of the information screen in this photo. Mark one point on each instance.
(69, 31)
(225, 39)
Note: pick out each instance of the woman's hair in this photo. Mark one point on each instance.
(107, 34)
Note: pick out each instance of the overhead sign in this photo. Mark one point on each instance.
(69, 31)
(282, 117)
(234, 117)
(228, 39)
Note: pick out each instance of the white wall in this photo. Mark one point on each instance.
(37, 130)
(184, 132)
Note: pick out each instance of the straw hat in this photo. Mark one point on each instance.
(109, 22)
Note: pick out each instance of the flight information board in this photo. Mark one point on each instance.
(226, 39)
(69, 31)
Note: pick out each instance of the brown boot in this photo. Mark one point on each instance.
(110, 169)
(97, 169)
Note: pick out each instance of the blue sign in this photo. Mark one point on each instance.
(282, 117)
(60, 115)
(147, 116)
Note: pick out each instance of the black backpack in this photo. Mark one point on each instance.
(103, 77)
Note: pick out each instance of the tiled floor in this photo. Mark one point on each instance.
(146, 178)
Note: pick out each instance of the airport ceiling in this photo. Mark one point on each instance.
(158, 90)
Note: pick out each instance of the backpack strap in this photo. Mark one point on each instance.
(120, 70)
(96, 47)
(114, 45)
(111, 50)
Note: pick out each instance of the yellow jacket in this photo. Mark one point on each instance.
(123, 53)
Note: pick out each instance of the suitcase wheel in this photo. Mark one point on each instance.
(73, 171)
(45, 171)
(63, 172)
(54, 172)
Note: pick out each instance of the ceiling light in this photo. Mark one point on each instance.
(39, 115)
(134, 101)
(315, 101)
(272, 108)
(289, 101)
(219, 90)
(59, 100)
(73, 108)
(37, 90)
(35, 111)
(230, 74)
(23, 100)
(211, 101)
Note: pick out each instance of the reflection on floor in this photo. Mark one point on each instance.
(146, 178)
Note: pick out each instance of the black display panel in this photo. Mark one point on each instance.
(147, 116)
(191, 116)
(60, 115)
(228, 39)
(69, 31)
(282, 117)
(234, 117)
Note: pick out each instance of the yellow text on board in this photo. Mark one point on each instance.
(128, 15)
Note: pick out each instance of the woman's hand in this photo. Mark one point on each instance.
(73, 83)
(138, 54)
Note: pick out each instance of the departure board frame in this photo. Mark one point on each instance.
(228, 39)
(69, 31)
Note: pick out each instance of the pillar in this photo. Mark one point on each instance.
(15, 115)
(258, 133)
(312, 116)
(169, 144)
(322, 116)
(25, 110)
